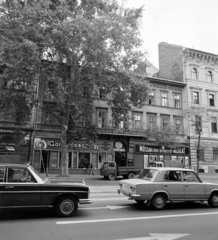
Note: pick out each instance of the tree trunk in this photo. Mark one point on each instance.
(64, 151)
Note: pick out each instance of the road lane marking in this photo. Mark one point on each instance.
(159, 236)
(107, 207)
(136, 218)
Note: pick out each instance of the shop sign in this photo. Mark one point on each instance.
(143, 148)
(119, 147)
(53, 143)
(4, 130)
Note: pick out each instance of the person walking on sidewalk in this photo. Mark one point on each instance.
(91, 169)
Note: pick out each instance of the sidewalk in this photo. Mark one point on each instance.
(80, 178)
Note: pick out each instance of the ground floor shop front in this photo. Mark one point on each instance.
(124, 151)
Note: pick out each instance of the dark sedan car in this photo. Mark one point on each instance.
(22, 187)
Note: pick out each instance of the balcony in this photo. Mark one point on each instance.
(139, 132)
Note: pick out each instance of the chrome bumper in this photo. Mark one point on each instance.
(130, 195)
(85, 201)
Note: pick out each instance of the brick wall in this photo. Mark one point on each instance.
(170, 61)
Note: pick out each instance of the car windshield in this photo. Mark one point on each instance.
(148, 174)
(44, 179)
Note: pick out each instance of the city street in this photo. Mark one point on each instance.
(111, 216)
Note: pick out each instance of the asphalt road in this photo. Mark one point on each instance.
(114, 218)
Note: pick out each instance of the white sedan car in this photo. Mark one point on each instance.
(157, 186)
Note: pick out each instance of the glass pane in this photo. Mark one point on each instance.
(54, 159)
(84, 160)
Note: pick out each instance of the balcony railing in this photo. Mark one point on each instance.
(122, 131)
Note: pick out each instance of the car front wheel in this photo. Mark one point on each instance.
(158, 202)
(213, 200)
(66, 206)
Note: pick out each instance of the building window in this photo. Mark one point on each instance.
(178, 125)
(137, 120)
(102, 93)
(151, 98)
(194, 74)
(164, 99)
(48, 118)
(209, 77)
(165, 123)
(213, 125)
(152, 121)
(196, 97)
(101, 118)
(177, 100)
(85, 92)
(211, 100)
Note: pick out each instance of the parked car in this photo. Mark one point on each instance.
(21, 186)
(158, 186)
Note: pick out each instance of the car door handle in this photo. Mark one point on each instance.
(9, 187)
(186, 185)
(165, 185)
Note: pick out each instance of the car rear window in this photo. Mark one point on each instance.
(148, 174)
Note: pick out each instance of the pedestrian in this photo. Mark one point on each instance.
(91, 169)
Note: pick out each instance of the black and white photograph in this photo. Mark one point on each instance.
(108, 120)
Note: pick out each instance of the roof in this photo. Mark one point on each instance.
(170, 168)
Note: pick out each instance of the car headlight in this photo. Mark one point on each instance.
(132, 188)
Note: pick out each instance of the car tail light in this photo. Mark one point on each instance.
(120, 185)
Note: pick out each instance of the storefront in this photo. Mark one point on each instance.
(149, 154)
(47, 155)
(14, 145)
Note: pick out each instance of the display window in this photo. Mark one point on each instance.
(84, 160)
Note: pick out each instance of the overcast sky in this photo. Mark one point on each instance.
(190, 23)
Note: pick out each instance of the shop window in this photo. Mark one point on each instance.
(75, 160)
(84, 160)
(102, 118)
(95, 160)
(137, 120)
(177, 100)
(211, 100)
(196, 99)
(54, 160)
(164, 99)
(214, 125)
(194, 74)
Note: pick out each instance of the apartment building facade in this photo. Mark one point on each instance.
(126, 142)
(199, 70)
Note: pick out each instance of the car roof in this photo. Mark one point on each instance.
(13, 165)
(170, 168)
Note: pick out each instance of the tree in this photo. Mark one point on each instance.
(75, 46)
(197, 117)
(164, 137)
